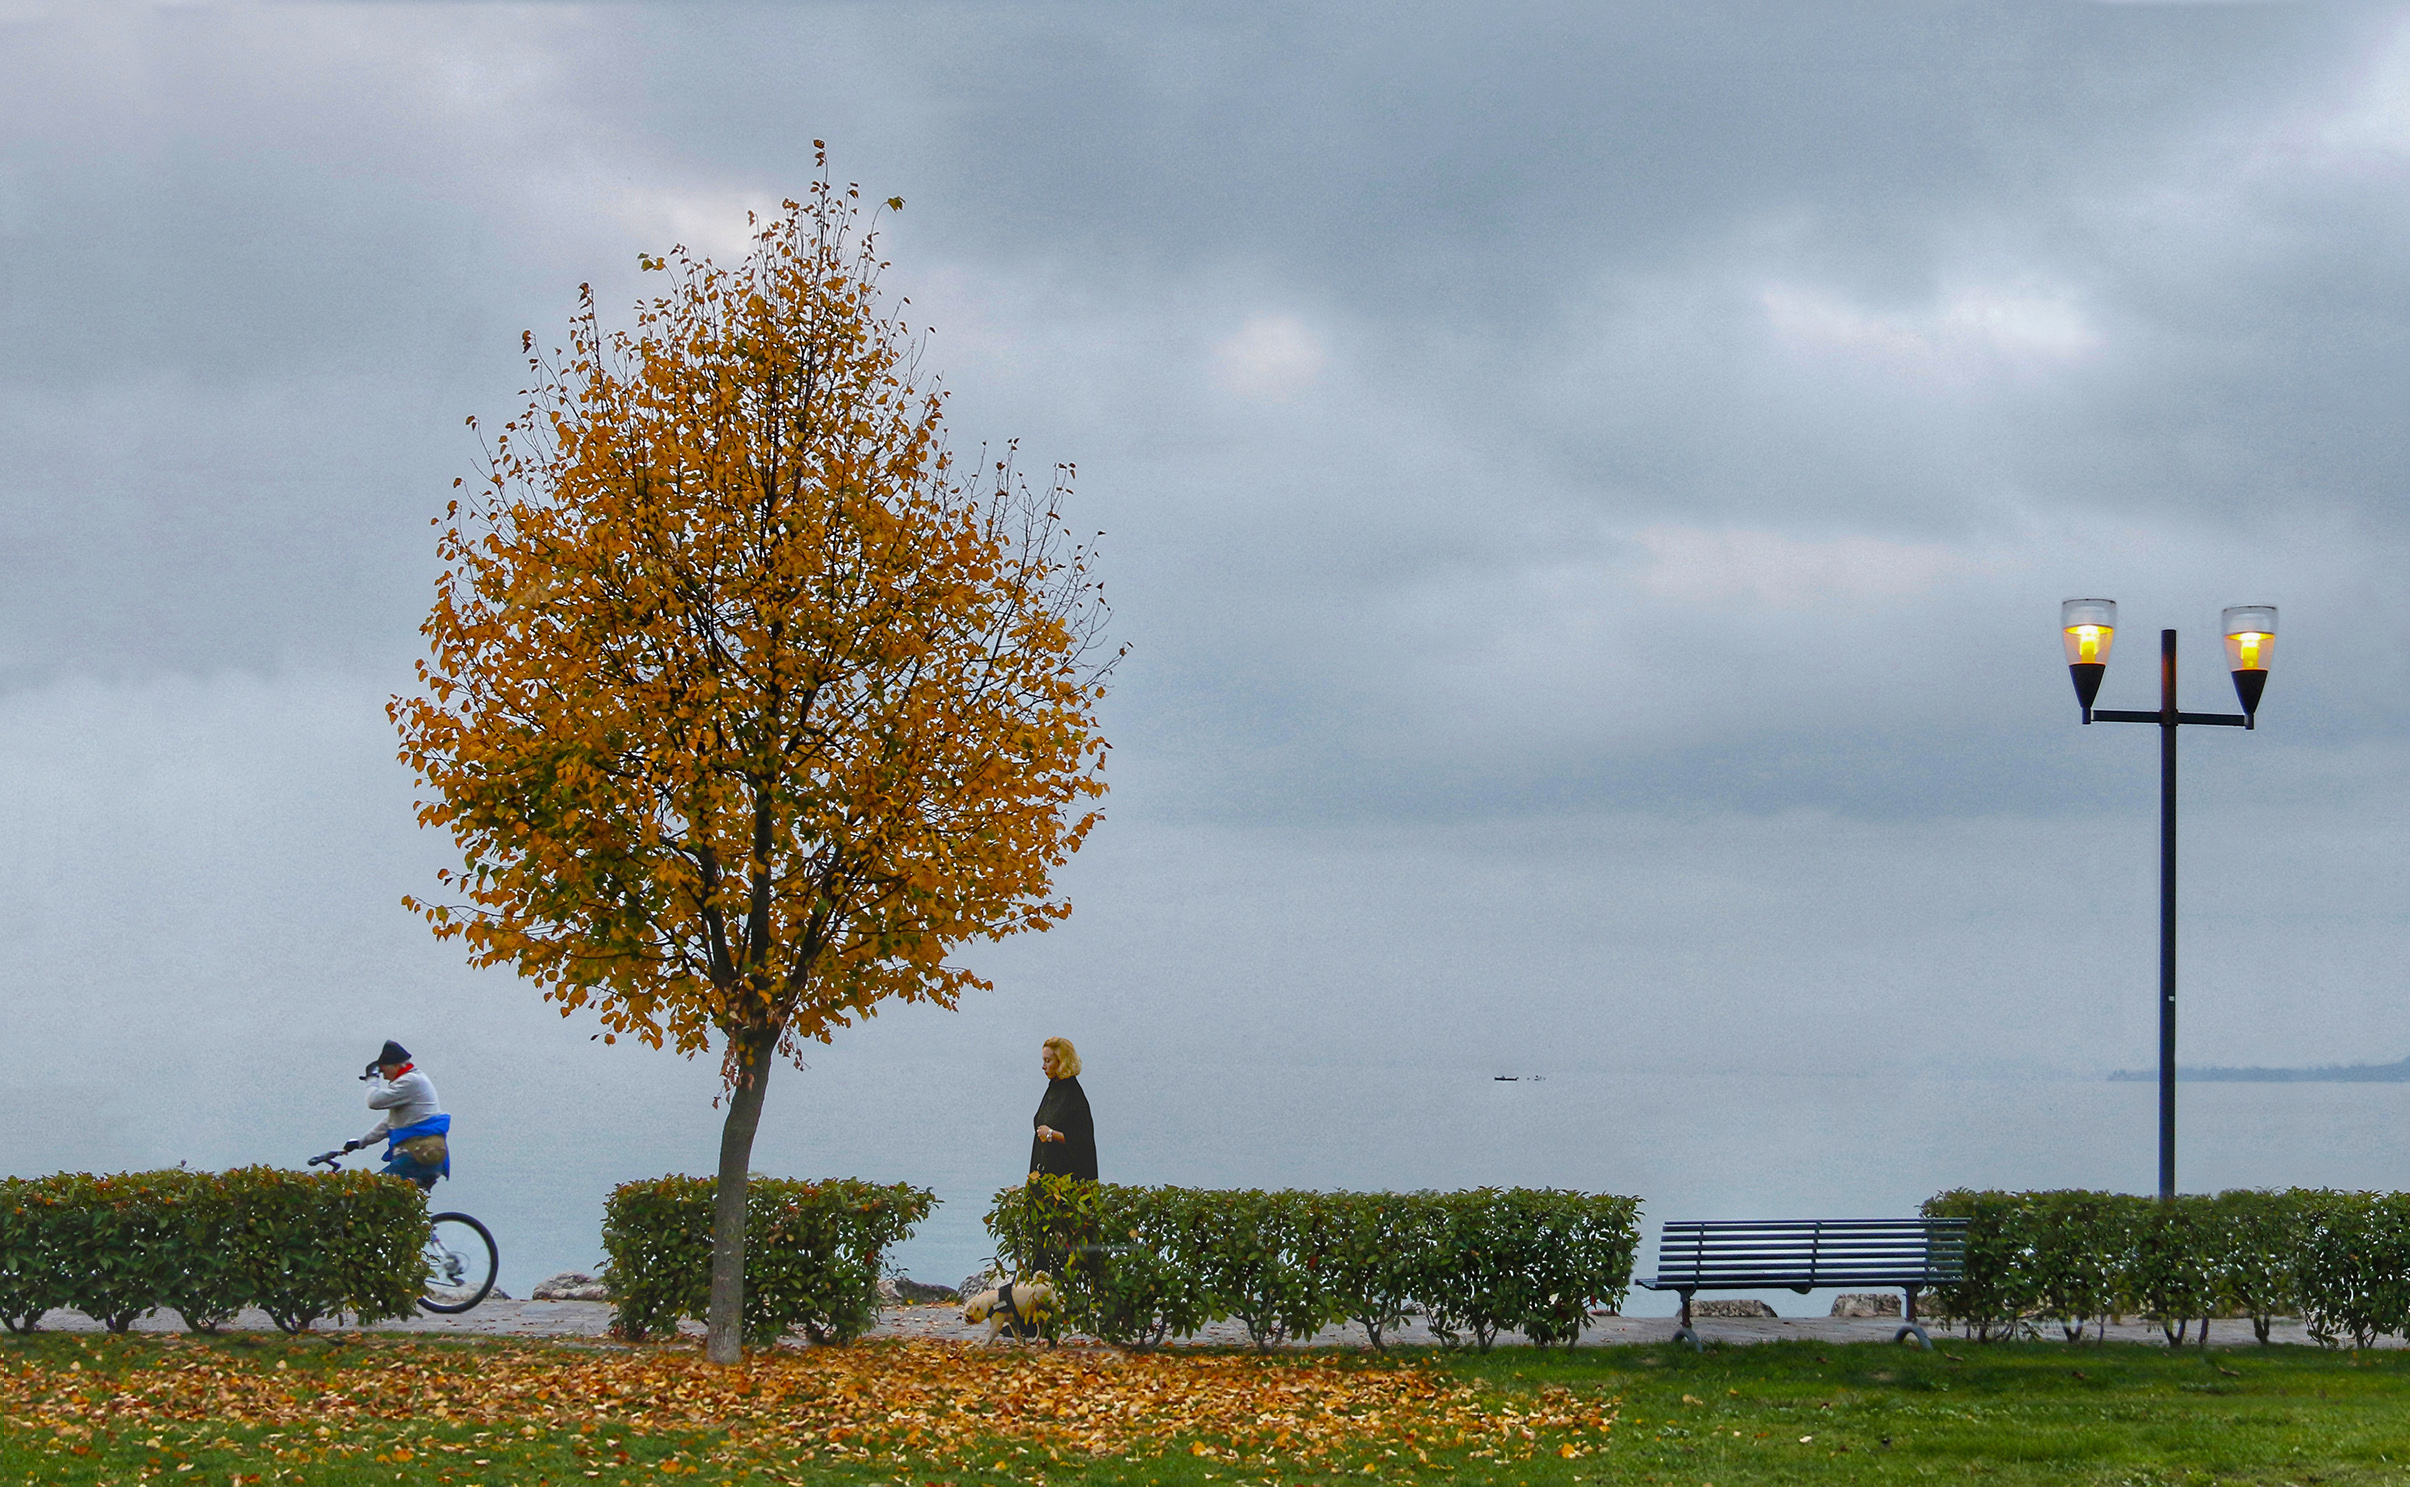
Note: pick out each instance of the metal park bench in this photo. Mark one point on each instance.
(1808, 1254)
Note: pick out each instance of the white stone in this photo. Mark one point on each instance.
(1867, 1304)
(1729, 1307)
(911, 1292)
(974, 1283)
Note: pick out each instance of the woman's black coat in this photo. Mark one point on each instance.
(1065, 1109)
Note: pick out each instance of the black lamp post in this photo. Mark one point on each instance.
(2089, 625)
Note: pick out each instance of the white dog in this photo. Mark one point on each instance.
(1018, 1304)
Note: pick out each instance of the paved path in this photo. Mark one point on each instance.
(580, 1319)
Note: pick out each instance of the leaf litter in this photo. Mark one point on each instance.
(928, 1401)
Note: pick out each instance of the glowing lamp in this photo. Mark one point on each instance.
(2250, 641)
(2088, 626)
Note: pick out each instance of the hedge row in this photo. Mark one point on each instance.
(812, 1253)
(2339, 1261)
(1137, 1265)
(207, 1244)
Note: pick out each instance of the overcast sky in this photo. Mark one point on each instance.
(1587, 490)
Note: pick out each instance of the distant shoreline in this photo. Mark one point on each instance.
(2323, 1074)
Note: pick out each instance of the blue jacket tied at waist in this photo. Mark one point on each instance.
(433, 1125)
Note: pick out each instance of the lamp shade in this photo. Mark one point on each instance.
(2250, 645)
(2088, 626)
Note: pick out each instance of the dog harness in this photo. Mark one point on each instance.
(1023, 1323)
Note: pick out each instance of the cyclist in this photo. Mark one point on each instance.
(415, 1129)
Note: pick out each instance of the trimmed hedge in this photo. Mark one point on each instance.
(2354, 1267)
(206, 1244)
(2340, 1261)
(1137, 1265)
(812, 1253)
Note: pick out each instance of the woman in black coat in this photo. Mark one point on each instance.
(1065, 1143)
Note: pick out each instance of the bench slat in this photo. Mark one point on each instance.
(1822, 1262)
(1919, 1266)
(1736, 1225)
(1935, 1221)
(1748, 1247)
(1802, 1251)
(1709, 1254)
(1849, 1247)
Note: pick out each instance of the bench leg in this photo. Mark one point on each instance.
(1685, 1330)
(1910, 1327)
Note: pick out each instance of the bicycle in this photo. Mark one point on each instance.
(461, 1256)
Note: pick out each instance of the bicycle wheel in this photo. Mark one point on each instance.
(461, 1260)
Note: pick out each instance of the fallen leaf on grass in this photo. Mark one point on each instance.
(918, 1399)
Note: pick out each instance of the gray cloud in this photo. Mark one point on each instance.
(1588, 488)
(1407, 359)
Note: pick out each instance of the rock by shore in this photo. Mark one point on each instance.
(1729, 1307)
(983, 1280)
(1867, 1304)
(571, 1285)
(903, 1290)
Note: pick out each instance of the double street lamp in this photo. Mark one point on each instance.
(2089, 626)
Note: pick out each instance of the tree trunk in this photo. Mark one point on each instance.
(726, 1318)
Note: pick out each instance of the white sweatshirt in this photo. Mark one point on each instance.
(406, 1101)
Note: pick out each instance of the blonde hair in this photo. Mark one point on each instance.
(1066, 1058)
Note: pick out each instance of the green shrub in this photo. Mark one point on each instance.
(2079, 1245)
(33, 1263)
(1582, 1256)
(1529, 1259)
(2354, 1268)
(1141, 1264)
(2339, 1260)
(2261, 1237)
(2065, 1256)
(2177, 1261)
(1058, 1227)
(214, 1281)
(1999, 1292)
(318, 1246)
(207, 1244)
(2079, 1257)
(812, 1253)
(1253, 1256)
(118, 1243)
(1122, 1258)
(1151, 1287)
(1053, 1222)
(1372, 1248)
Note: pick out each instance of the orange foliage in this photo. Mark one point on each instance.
(742, 705)
(938, 1402)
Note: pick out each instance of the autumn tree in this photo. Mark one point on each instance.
(744, 706)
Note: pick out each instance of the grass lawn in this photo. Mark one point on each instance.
(326, 1409)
